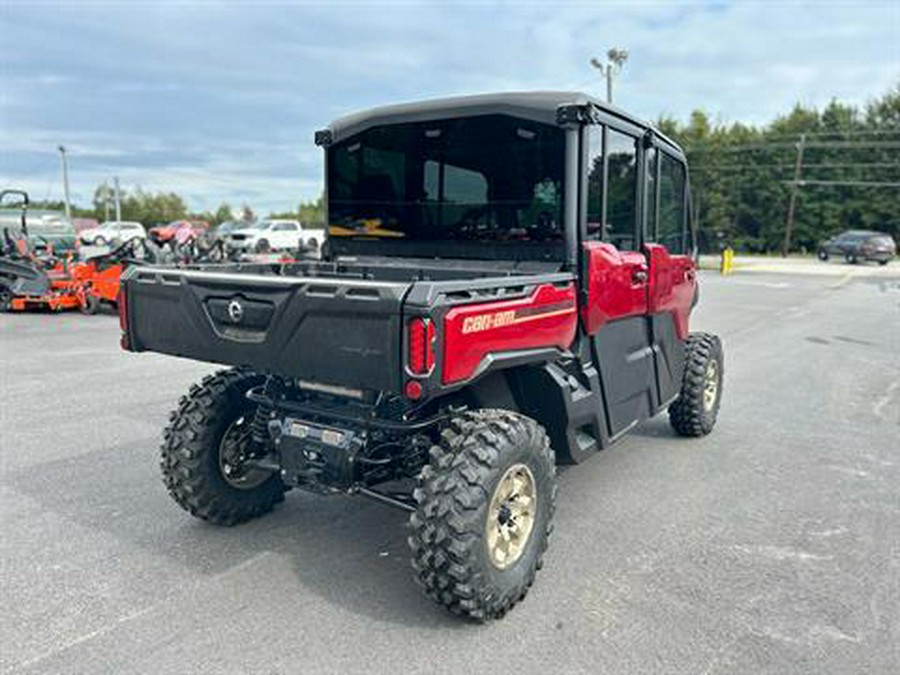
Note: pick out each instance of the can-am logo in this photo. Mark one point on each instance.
(474, 324)
(235, 311)
(509, 317)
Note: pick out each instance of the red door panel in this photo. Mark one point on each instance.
(672, 284)
(616, 285)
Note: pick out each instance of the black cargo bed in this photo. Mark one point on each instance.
(337, 330)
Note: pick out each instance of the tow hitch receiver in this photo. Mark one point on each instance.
(315, 453)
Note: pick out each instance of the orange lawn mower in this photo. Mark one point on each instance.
(30, 282)
(29, 278)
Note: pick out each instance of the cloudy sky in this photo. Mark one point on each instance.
(219, 100)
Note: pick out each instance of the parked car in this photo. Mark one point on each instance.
(859, 245)
(274, 235)
(188, 229)
(112, 231)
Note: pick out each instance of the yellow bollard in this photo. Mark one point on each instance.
(727, 265)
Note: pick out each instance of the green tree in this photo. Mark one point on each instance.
(222, 214)
(313, 212)
(740, 174)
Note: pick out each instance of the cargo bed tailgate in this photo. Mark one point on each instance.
(333, 330)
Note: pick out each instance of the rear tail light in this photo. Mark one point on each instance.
(421, 346)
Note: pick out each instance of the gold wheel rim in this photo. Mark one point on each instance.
(511, 515)
(710, 385)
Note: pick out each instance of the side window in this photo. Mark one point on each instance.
(463, 186)
(670, 231)
(431, 181)
(595, 183)
(621, 190)
(651, 158)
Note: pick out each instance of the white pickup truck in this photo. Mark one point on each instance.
(275, 235)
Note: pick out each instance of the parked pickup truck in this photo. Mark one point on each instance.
(506, 286)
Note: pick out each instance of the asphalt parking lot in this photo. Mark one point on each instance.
(771, 546)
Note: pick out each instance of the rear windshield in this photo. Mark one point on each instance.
(882, 240)
(482, 187)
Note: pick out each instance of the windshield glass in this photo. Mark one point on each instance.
(483, 187)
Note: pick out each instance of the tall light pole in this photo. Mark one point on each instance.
(106, 200)
(118, 200)
(616, 59)
(65, 172)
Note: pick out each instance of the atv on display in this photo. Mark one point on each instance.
(506, 286)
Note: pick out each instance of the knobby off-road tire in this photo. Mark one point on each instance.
(6, 298)
(190, 464)
(452, 528)
(695, 410)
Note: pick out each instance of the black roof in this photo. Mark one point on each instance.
(540, 106)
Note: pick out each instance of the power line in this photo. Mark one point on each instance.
(849, 183)
(793, 146)
(874, 132)
(820, 165)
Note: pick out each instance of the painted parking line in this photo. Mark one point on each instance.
(764, 284)
(842, 281)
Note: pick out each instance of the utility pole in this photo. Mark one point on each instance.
(798, 171)
(65, 175)
(615, 63)
(106, 201)
(118, 200)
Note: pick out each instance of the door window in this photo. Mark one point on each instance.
(651, 159)
(621, 190)
(595, 183)
(671, 229)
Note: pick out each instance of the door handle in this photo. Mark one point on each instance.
(639, 276)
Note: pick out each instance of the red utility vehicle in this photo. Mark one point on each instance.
(506, 285)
